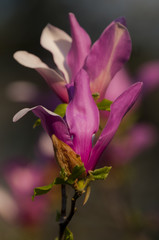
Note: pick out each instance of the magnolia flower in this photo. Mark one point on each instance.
(101, 61)
(81, 122)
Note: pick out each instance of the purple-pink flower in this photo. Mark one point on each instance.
(82, 70)
(101, 61)
(82, 119)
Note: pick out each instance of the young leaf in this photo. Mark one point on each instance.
(59, 180)
(61, 109)
(95, 96)
(37, 123)
(68, 235)
(104, 105)
(42, 190)
(76, 173)
(101, 173)
(63, 174)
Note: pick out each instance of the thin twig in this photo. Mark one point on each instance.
(64, 202)
(63, 224)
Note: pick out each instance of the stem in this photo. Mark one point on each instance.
(65, 221)
(64, 202)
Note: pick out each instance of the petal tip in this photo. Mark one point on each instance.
(121, 20)
(71, 15)
(139, 85)
(20, 114)
(17, 55)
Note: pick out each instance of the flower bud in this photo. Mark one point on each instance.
(65, 156)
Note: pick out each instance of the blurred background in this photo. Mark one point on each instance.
(125, 206)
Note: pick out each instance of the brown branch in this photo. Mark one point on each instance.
(63, 224)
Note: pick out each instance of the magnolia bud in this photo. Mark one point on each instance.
(65, 156)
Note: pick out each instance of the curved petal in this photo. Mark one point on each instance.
(58, 43)
(53, 79)
(80, 47)
(51, 122)
(120, 82)
(118, 109)
(107, 56)
(82, 116)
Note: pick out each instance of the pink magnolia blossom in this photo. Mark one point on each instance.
(82, 119)
(101, 61)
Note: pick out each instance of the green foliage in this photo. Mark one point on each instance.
(59, 180)
(76, 173)
(95, 96)
(61, 109)
(63, 174)
(68, 235)
(104, 105)
(42, 190)
(100, 174)
(37, 123)
(74, 180)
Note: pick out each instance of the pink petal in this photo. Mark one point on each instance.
(82, 116)
(58, 43)
(107, 56)
(80, 46)
(51, 122)
(53, 79)
(120, 82)
(118, 109)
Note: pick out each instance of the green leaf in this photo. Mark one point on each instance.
(61, 109)
(76, 172)
(101, 173)
(81, 184)
(63, 174)
(95, 95)
(59, 180)
(104, 105)
(37, 123)
(42, 190)
(45, 189)
(68, 235)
